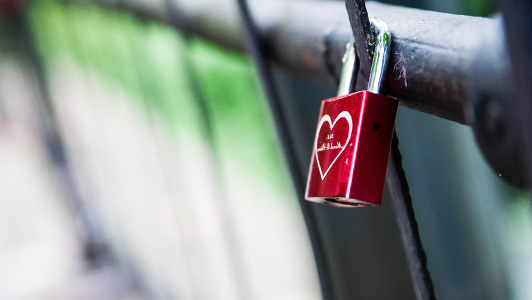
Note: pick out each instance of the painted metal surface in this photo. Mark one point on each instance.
(351, 149)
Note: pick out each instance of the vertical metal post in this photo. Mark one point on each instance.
(518, 31)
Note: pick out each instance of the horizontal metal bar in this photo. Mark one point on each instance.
(430, 61)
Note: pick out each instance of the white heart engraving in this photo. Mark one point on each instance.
(326, 118)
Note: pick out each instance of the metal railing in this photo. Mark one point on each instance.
(432, 60)
(430, 63)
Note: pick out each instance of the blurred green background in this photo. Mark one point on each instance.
(166, 179)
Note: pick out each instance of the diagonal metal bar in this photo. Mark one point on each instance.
(260, 58)
(396, 178)
(406, 221)
(360, 25)
(431, 57)
(23, 43)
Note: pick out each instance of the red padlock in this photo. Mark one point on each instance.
(354, 135)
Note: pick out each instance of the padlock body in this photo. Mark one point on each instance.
(351, 150)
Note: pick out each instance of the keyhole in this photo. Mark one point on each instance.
(376, 126)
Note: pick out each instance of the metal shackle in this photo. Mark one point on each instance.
(349, 69)
(383, 41)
